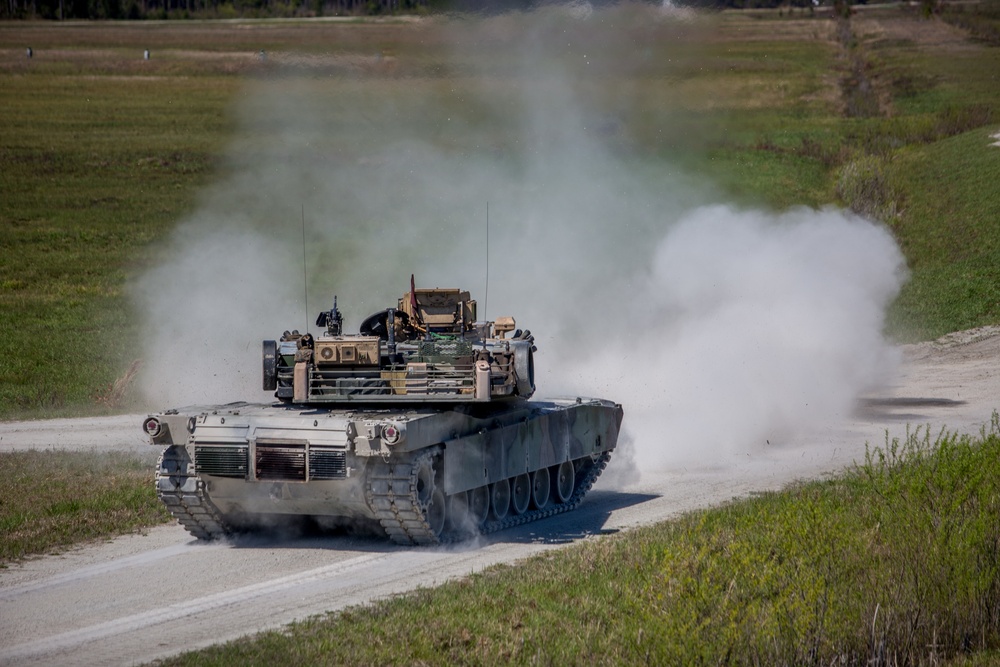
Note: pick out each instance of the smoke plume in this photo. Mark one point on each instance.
(716, 328)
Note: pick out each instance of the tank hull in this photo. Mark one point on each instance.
(423, 475)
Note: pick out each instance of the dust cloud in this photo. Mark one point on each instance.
(749, 329)
(717, 328)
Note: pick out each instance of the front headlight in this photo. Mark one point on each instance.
(152, 427)
(392, 434)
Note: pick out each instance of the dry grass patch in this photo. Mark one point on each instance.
(932, 34)
(740, 26)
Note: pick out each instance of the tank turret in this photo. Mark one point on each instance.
(428, 348)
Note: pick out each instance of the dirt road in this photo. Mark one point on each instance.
(146, 596)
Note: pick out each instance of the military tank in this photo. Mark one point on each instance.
(419, 427)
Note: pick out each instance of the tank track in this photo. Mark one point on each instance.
(183, 492)
(392, 493)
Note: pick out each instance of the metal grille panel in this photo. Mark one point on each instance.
(221, 461)
(327, 464)
(281, 462)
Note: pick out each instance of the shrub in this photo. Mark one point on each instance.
(865, 187)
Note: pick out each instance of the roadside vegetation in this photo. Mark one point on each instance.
(896, 562)
(54, 499)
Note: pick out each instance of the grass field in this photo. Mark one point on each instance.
(102, 152)
(53, 500)
(99, 157)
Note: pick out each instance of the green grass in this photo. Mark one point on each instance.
(899, 559)
(96, 166)
(949, 234)
(54, 499)
(102, 153)
(928, 166)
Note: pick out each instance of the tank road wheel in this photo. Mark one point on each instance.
(479, 505)
(458, 511)
(564, 477)
(500, 499)
(430, 497)
(424, 482)
(520, 494)
(436, 512)
(540, 488)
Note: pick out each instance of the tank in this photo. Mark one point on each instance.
(419, 427)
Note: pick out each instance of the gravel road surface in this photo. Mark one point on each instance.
(141, 597)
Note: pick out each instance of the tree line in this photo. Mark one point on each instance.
(202, 9)
(207, 9)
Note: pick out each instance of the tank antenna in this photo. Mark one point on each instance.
(486, 300)
(305, 278)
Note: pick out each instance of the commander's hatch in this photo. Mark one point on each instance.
(445, 311)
